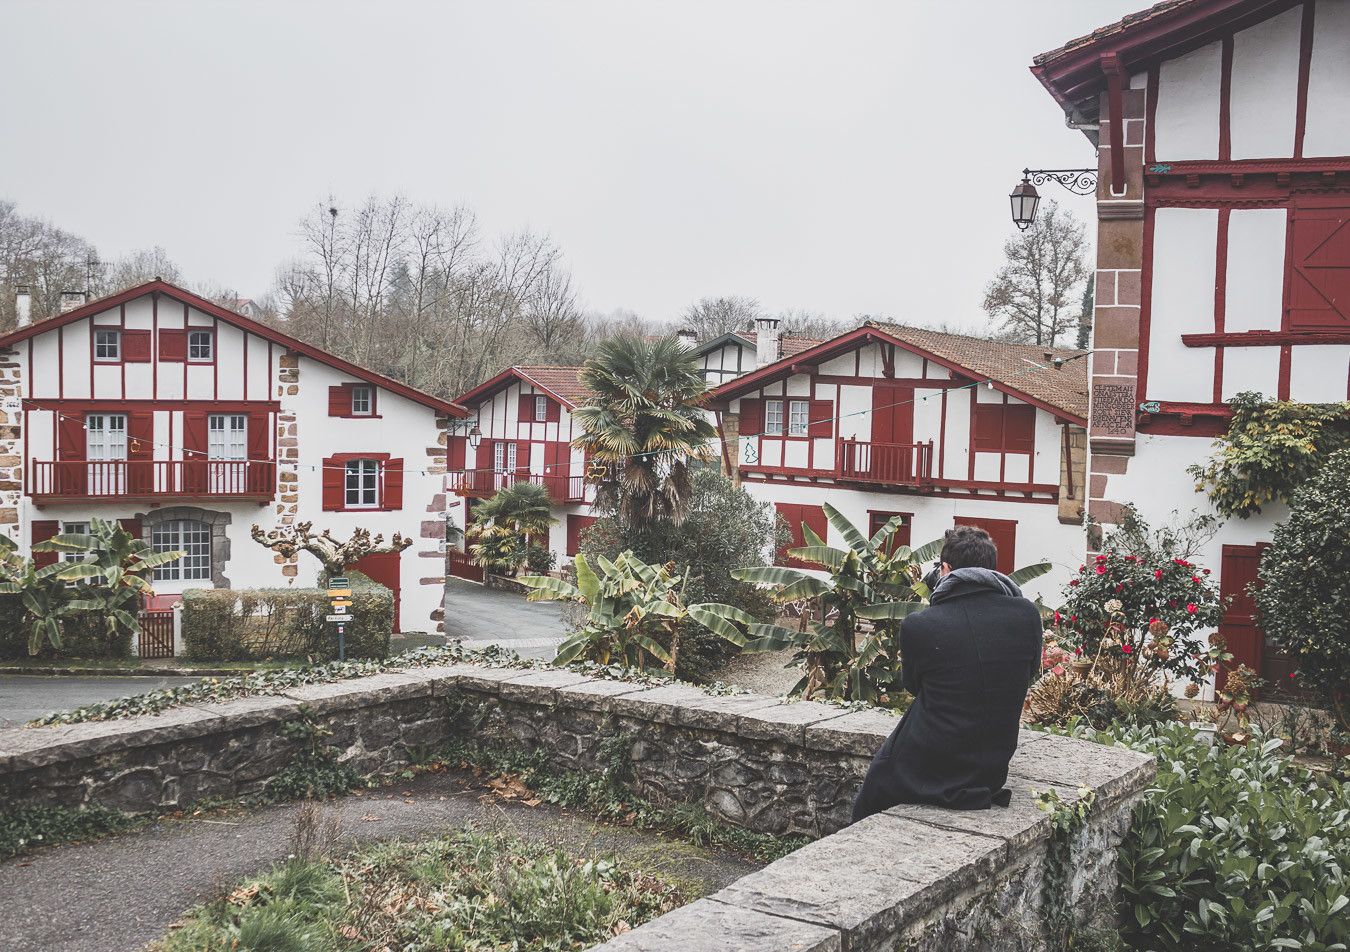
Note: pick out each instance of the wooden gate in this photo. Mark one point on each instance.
(461, 567)
(156, 638)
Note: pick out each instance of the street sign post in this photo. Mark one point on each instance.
(340, 597)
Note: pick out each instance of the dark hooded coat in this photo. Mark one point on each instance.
(968, 659)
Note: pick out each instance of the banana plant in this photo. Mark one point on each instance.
(113, 575)
(850, 650)
(635, 612)
(43, 592)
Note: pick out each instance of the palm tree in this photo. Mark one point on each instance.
(644, 423)
(501, 525)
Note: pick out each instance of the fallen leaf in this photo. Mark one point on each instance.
(370, 817)
(349, 932)
(533, 802)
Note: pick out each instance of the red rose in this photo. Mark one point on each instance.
(1101, 570)
(1205, 571)
(1073, 618)
(1073, 582)
(1128, 649)
(1192, 608)
(1195, 579)
(1157, 573)
(1101, 558)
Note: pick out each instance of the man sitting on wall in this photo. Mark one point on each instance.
(968, 659)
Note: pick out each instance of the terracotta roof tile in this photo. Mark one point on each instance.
(1025, 367)
(564, 381)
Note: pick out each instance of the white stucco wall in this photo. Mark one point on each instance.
(1184, 255)
(1188, 106)
(1328, 131)
(1264, 91)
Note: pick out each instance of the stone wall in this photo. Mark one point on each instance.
(11, 441)
(913, 877)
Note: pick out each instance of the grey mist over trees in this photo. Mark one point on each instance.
(1036, 295)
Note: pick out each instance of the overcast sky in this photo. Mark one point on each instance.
(837, 156)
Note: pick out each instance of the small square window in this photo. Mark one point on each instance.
(201, 346)
(799, 417)
(773, 417)
(363, 401)
(540, 408)
(108, 346)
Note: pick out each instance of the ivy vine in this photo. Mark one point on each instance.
(1067, 818)
(1270, 449)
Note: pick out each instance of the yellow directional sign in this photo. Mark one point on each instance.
(341, 602)
(339, 592)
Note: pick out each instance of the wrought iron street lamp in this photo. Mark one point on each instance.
(1025, 199)
(475, 437)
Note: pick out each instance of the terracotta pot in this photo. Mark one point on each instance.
(1080, 668)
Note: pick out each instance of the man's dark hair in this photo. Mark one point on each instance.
(969, 547)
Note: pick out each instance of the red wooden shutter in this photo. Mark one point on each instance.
(986, 435)
(554, 411)
(140, 451)
(340, 400)
(259, 436)
(1019, 429)
(333, 472)
(132, 525)
(71, 441)
(194, 451)
(525, 413)
(523, 458)
(173, 345)
(1317, 285)
(456, 452)
(135, 347)
(576, 525)
(752, 416)
(821, 416)
(393, 484)
(42, 530)
(1004, 534)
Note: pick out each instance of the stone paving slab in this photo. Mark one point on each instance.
(787, 722)
(359, 692)
(722, 713)
(1020, 824)
(664, 704)
(861, 732)
(598, 693)
(1065, 761)
(711, 926)
(540, 687)
(476, 678)
(870, 877)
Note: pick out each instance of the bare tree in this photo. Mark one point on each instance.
(797, 322)
(136, 268)
(711, 317)
(1034, 294)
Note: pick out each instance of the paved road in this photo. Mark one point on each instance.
(26, 696)
(120, 893)
(482, 616)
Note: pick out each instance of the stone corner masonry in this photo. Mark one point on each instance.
(913, 877)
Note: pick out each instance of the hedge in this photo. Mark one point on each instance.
(271, 623)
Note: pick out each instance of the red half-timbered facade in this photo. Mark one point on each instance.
(190, 423)
(1223, 245)
(525, 432)
(938, 428)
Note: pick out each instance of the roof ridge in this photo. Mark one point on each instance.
(976, 337)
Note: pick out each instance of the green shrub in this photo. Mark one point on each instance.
(257, 624)
(1304, 598)
(1233, 848)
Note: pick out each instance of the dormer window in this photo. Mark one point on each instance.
(363, 401)
(201, 347)
(107, 346)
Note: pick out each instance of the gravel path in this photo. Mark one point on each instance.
(761, 672)
(122, 892)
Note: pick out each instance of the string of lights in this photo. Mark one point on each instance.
(718, 443)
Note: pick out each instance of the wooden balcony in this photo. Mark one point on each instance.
(113, 480)
(480, 485)
(886, 464)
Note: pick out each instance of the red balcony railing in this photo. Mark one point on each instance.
(481, 485)
(114, 479)
(891, 464)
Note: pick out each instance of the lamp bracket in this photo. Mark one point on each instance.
(1078, 181)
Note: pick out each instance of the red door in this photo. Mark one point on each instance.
(1237, 625)
(382, 567)
(576, 525)
(796, 514)
(1004, 534)
(891, 457)
(557, 469)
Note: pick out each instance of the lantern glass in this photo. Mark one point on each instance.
(1024, 199)
(475, 437)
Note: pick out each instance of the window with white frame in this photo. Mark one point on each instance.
(363, 401)
(227, 436)
(189, 537)
(799, 417)
(504, 457)
(105, 436)
(108, 345)
(74, 528)
(773, 417)
(362, 484)
(201, 346)
(540, 408)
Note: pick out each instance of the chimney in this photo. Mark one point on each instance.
(23, 305)
(768, 342)
(71, 300)
(687, 336)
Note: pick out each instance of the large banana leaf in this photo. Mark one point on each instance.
(771, 637)
(587, 582)
(1024, 575)
(809, 536)
(828, 556)
(546, 588)
(885, 532)
(768, 575)
(653, 648)
(889, 610)
(847, 531)
(571, 649)
(69, 542)
(722, 620)
(927, 553)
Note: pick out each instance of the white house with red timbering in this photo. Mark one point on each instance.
(524, 432)
(941, 429)
(190, 423)
(737, 353)
(1222, 130)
